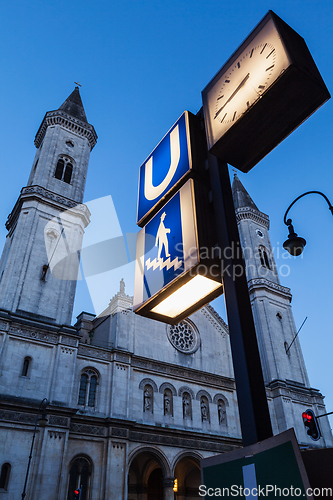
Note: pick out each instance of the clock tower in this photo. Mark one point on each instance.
(40, 261)
(287, 384)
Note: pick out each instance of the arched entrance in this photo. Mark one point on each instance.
(187, 473)
(146, 476)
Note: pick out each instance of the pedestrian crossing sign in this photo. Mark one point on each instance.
(172, 279)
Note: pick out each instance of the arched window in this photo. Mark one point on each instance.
(4, 476)
(187, 406)
(168, 402)
(64, 169)
(79, 477)
(204, 406)
(26, 366)
(88, 388)
(148, 399)
(264, 260)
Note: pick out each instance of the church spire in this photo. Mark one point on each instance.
(73, 106)
(240, 196)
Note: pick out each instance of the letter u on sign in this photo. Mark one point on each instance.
(152, 192)
(165, 170)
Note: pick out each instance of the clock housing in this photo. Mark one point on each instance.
(266, 89)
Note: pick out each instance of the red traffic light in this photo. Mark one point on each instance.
(77, 494)
(311, 424)
(307, 416)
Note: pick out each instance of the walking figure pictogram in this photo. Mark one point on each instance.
(162, 239)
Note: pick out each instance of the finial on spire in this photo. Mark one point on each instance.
(78, 84)
(235, 172)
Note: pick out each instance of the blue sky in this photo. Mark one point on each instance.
(141, 64)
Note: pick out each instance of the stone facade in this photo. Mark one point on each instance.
(133, 404)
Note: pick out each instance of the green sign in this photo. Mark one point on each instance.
(270, 469)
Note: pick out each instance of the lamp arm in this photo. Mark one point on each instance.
(285, 220)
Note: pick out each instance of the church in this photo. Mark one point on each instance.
(132, 405)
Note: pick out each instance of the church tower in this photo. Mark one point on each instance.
(46, 225)
(287, 384)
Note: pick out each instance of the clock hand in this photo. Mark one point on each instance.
(233, 94)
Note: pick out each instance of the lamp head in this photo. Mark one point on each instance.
(294, 244)
(42, 421)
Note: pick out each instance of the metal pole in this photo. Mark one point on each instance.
(32, 445)
(252, 401)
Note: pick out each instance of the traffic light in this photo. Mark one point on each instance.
(77, 494)
(310, 422)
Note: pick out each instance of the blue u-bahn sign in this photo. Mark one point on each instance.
(167, 167)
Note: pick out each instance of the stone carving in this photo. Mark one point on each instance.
(263, 282)
(147, 399)
(94, 353)
(167, 400)
(124, 358)
(118, 432)
(17, 417)
(215, 319)
(205, 394)
(68, 341)
(180, 442)
(250, 213)
(4, 326)
(187, 411)
(184, 337)
(59, 421)
(221, 412)
(56, 435)
(204, 409)
(47, 337)
(66, 350)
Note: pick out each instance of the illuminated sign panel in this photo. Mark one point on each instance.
(172, 278)
(167, 167)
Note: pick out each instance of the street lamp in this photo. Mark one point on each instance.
(295, 244)
(41, 422)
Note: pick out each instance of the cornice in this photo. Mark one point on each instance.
(188, 374)
(263, 283)
(59, 117)
(245, 213)
(40, 193)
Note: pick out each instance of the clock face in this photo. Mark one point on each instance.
(244, 79)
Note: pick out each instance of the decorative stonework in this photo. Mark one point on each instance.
(123, 358)
(183, 373)
(184, 337)
(58, 421)
(24, 332)
(90, 352)
(121, 302)
(69, 341)
(59, 117)
(67, 350)
(118, 432)
(13, 416)
(121, 367)
(179, 442)
(4, 326)
(87, 429)
(215, 319)
(250, 213)
(56, 435)
(265, 283)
